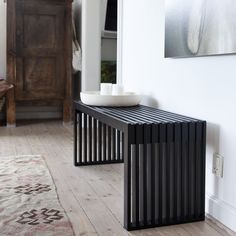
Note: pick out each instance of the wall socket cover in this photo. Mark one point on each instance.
(217, 165)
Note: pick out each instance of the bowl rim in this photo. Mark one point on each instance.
(97, 93)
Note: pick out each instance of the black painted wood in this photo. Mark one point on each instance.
(80, 137)
(118, 145)
(75, 139)
(99, 141)
(85, 138)
(109, 144)
(90, 139)
(95, 140)
(163, 155)
(113, 144)
(104, 142)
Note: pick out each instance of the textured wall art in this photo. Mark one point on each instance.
(200, 27)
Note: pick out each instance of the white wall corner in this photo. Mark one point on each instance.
(222, 211)
(91, 45)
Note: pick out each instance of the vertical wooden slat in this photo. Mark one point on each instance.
(95, 140)
(185, 193)
(104, 141)
(126, 151)
(203, 159)
(118, 145)
(109, 144)
(164, 174)
(122, 145)
(99, 141)
(198, 167)
(162, 190)
(85, 137)
(133, 184)
(149, 173)
(169, 173)
(154, 138)
(138, 141)
(90, 137)
(80, 137)
(144, 166)
(157, 174)
(113, 144)
(192, 173)
(178, 172)
(75, 139)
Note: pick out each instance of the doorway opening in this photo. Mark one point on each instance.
(109, 41)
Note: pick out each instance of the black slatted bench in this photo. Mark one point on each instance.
(163, 155)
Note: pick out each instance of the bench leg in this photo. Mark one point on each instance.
(127, 182)
(95, 143)
(11, 108)
(76, 138)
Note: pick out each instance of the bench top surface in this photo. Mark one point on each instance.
(137, 114)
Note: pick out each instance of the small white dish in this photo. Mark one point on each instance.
(94, 98)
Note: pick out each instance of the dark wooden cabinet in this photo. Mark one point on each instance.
(39, 53)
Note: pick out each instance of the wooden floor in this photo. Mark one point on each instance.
(92, 196)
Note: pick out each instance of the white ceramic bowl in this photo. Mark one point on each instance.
(124, 100)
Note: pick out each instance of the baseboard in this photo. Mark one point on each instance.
(38, 115)
(222, 211)
(42, 112)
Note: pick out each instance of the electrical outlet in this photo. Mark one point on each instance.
(217, 166)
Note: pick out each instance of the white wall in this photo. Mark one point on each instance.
(91, 44)
(2, 39)
(199, 87)
(94, 48)
(88, 20)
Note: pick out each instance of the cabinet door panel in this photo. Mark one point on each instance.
(39, 44)
(39, 32)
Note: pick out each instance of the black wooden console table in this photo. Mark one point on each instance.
(163, 155)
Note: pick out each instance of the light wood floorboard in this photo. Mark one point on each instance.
(92, 196)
